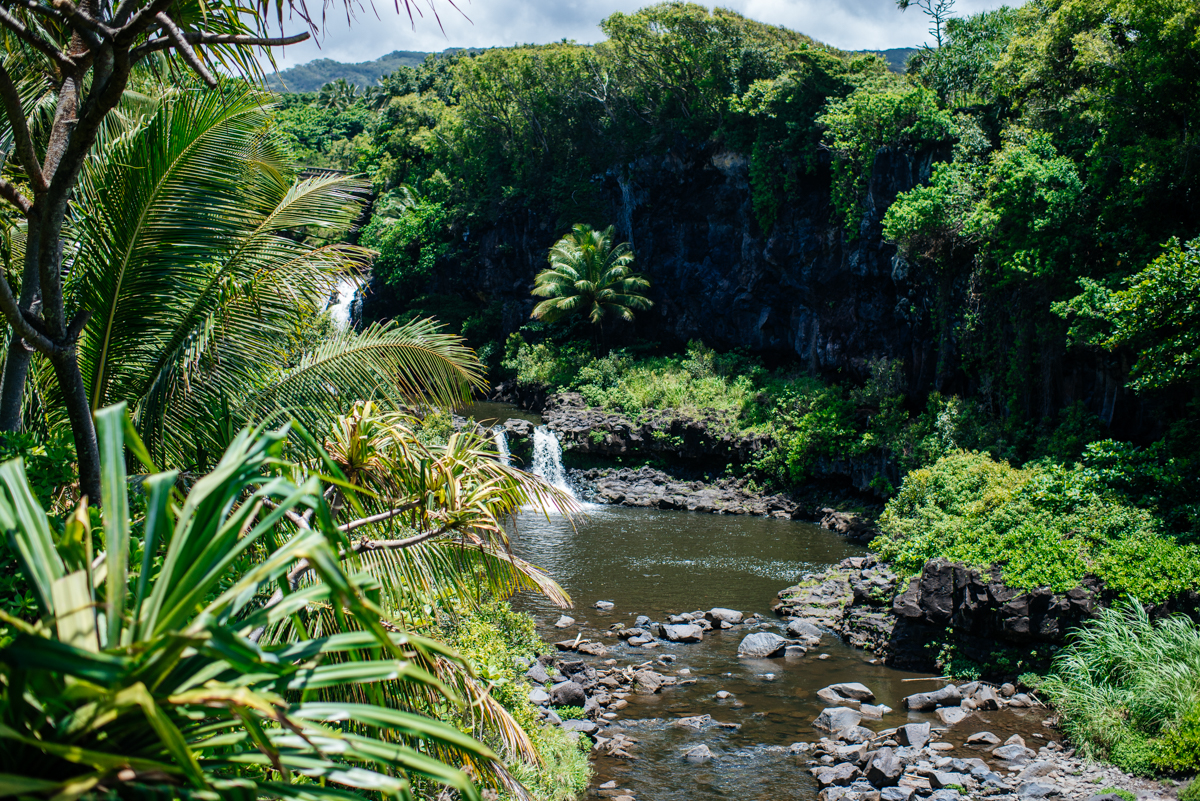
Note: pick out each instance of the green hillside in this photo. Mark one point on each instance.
(312, 76)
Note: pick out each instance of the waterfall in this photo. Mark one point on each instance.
(502, 446)
(547, 459)
(339, 309)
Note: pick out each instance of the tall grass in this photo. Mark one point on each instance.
(1128, 690)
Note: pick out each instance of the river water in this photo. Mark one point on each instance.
(655, 563)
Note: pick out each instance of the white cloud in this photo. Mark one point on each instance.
(849, 24)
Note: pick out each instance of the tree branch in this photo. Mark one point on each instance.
(303, 566)
(35, 41)
(21, 326)
(388, 515)
(78, 19)
(22, 139)
(10, 193)
(185, 50)
(162, 43)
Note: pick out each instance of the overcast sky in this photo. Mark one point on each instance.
(848, 24)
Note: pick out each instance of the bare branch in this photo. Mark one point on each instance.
(13, 195)
(378, 518)
(78, 19)
(23, 140)
(363, 545)
(164, 42)
(139, 22)
(21, 326)
(184, 49)
(35, 41)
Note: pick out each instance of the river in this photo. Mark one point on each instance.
(656, 563)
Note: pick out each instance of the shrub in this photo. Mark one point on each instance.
(1045, 525)
(1191, 792)
(1127, 690)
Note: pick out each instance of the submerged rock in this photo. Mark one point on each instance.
(761, 645)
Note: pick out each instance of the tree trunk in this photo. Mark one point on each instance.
(16, 364)
(83, 428)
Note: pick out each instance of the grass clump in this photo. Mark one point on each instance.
(1191, 792)
(1128, 690)
(1046, 526)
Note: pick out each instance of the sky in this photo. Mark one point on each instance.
(847, 24)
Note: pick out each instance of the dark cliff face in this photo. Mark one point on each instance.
(802, 290)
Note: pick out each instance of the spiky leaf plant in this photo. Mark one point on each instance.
(141, 674)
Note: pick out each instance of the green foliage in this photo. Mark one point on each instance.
(1125, 795)
(1045, 525)
(570, 712)
(1191, 792)
(886, 113)
(1127, 690)
(49, 461)
(409, 246)
(1156, 315)
(590, 275)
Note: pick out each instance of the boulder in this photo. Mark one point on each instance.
(927, 702)
(581, 726)
(604, 606)
(698, 754)
(647, 682)
(593, 649)
(761, 645)
(567, 693)
(794, 652)
(983, 738)
(641, 621)
(941, 780)
(538, 674)
(884, 768)
(836, 718)
(539, 696)
(950, 715)
(854, 734)
(1013, 754)
(915, 735)
(564, 622)
(1033, 790)
(853, 690)
(873, 712)
(722, 615)
(896, 794)
(842, 775)
(1021, 700)
(803, 629)
(683, 632)
(986, 698)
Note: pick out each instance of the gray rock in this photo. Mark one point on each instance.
(983, 738)
(884, 769)
(927, 702)
(683, 632)
(719, 614)
(801, 628)
(564, 622)
(951, 715)
(647, 682)
(986, 698)
(914, 734)
(1013, 754)
(539, 696)
(761, 645)
(538, 673)
(1021, 700)
(829, 696)
(854, 734)
(604, 606)
(1036, 770)
(1015, 739)
(945, 795)
(856, 753)
(641, 621)
(854, 690)
(794, 652)
(836, 718)
(723, 694)
(698, 754)
(581, 726)
(842, 775)
(896, 794)
(1106, 797)
(1007, 690)
(1036, 790)
(553, 717)
(567, 693)
(940, 780)
(873, 712)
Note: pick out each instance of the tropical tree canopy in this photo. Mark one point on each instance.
(592, 276)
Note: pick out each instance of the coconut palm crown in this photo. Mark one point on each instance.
(590, 275)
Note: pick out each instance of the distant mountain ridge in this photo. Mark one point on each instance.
(310, 77)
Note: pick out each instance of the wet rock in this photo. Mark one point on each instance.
(986, 698)
(604, 606)
(761, 645)
(1007, 690)
(836, 719)
(794, 652)
(896, 794)
(723, 694)
(698, 754)
(940, 780)
(927, 702)
(695, 722)
(685, 632)
(564, 622)
(593, 649)
(1031, 790)
(1013, 754)
(983, 738)
(884, 769)
(803, 629)
(873, 712)
(853, 690)
(950, 715)
(647, 682)
(723, 615)
(914, 734)
(1021, 700)
(567, 693)
(854, 734)
(837, 775)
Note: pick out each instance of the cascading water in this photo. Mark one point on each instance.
(501, 438)
(547, 459)
(339, 310)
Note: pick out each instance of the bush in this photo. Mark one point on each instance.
(1126, 689)
(1045, 525)
(1191, 792)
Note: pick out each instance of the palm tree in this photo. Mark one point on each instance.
(196, 252)
(590, 275)
(338, 95)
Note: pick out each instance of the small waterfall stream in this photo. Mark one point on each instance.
(340, 309)
(502, 450)
(547, 459)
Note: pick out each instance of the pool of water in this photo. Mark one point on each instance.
(651, 562)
